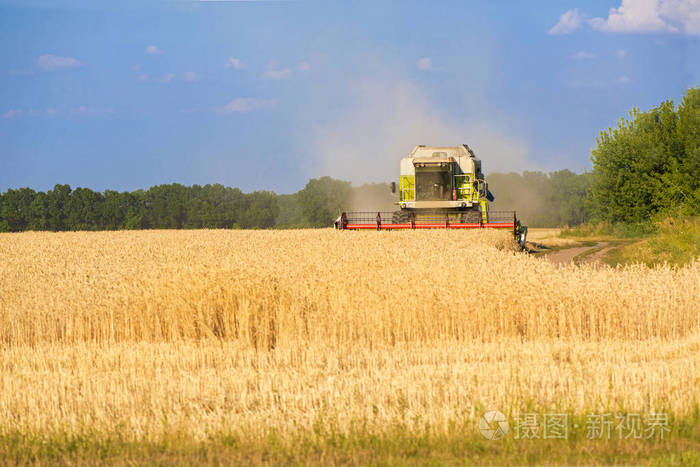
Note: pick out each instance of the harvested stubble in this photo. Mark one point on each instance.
(208, 330)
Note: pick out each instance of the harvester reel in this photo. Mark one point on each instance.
(471, 216)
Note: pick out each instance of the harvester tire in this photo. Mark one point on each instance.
(399, 217)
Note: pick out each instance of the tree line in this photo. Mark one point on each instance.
(540, 199)
(175, 206)
(172, 206)
(647, 166)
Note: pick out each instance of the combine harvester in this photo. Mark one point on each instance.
(439, 188)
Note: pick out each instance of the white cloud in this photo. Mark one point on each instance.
(190, 76)
(152, 50)
(621, 53)
(599, 83)
(19, 113)
(234, 63)
(304, 66)
(568, 22)
(632, 16)
(80, 111)
(641, 16)
(685, 14)
(55, 62)
(248, 104)
(83, 111)
(166, 78)
(424, 63)
(277, 74)
(583, 55)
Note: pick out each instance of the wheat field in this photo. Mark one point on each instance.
(197, 332)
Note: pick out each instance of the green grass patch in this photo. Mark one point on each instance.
(397, 444)
(674, 241)
(677, 242)
(607, 230)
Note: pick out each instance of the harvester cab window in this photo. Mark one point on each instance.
(432, 184)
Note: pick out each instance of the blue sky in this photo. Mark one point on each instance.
(265, 95)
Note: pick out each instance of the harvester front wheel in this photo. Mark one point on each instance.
(399, 217)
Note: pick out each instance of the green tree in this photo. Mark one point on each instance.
(648, 164)
(569, 196)
(114, 210)
(166, 206)
(290, 213)
(228, 205)
(84, 210)
(543, 199)
(262, 210)
(136, 215)
(56, 202)
(682, 181)
(15, 209)
(39, 212)
(323, 199)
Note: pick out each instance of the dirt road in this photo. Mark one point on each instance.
(567, 255)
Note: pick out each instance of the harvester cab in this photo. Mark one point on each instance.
(443, 178)
(439, 187)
